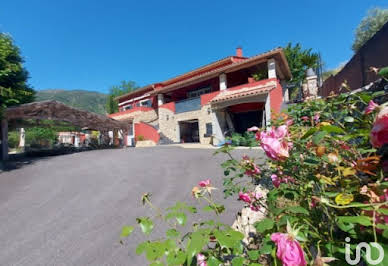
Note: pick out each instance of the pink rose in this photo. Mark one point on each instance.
(289, 250)
(204, 183)
(316, 118)
(244, 197)
(275, 144)
(276, 181)
(255, 171)
(201, 260)
(379, 133)
(371, 106)
(289, 122)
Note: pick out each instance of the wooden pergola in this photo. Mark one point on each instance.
(56, 111)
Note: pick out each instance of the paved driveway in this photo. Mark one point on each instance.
(68, 210)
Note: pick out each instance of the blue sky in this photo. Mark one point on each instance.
(91, 45)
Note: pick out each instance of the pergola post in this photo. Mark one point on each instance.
(4, 140)
(116, 141)
(22, 138)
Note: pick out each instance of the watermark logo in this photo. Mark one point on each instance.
(367, 248)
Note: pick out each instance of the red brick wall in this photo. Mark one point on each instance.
(356, 71)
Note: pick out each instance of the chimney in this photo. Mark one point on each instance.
(239, 52)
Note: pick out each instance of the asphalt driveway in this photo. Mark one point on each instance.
(69, 210)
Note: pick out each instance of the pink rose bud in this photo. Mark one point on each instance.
(204, 183)
(289, 250)
(244, 197)
(371, 106)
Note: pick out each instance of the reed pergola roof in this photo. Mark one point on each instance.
(57, 111)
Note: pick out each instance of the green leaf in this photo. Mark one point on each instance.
(309, 132)
(349, 119)
(176, 258)
(363, 220)
(385, 233)
(228, 238)
(207, 208)
(172, 233)
(126, 230)
(267, 246)
(154, 250)
(383, 211)
(298, 209)
(317, 137)
(141, 247)
(195, 245)
(238, 261)
(253, 254)
(333, 129)
(146, 224)
(383, 72)
(181, 218)
(212, 261)
(264, 225)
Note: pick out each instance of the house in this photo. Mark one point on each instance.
(210, 102)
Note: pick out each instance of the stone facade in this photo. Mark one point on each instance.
(139, 116)
(169, 122)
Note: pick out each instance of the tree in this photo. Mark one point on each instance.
(299, 60)
(369, 25)
(13, 76)
(118, 90)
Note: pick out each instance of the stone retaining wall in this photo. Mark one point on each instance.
(168, 122)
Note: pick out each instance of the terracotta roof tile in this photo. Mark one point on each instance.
(246, 90)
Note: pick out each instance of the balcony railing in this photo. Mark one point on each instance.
(188, 105)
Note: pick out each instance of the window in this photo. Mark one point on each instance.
(146, 103)
(198, 92)
(128, 107)
(209, 130)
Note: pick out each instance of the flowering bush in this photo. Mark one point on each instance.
(328, 167)
(328, 177)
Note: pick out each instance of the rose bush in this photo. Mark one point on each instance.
(328, 179)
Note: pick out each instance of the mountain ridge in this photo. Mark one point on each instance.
(92, 101)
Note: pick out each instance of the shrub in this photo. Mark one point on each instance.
(13, 139)
(247, 139)
(140, 138)
(328, 190)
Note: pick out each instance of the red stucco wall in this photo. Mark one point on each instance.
(170, 106)
(205, 98)
(147, 131)
(276, 98)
